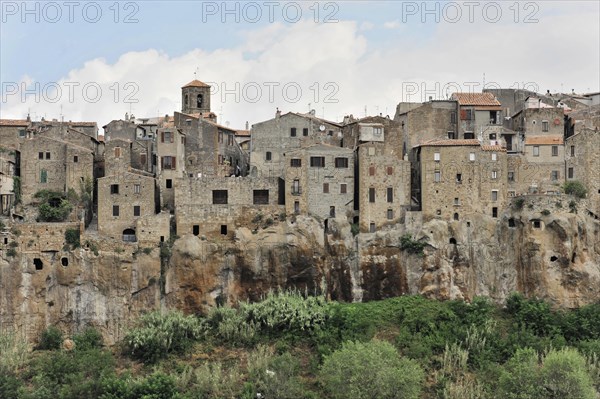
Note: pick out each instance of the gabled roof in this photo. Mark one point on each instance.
(14, 122)
(544, 140)
(242, 133)
(196, 83)
(476, 99)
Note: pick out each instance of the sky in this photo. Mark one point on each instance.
(97, 61)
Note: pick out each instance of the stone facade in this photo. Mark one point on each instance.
(170, 147)
(539, 122)
(459, 178)
(319, 181)
(7, 173)
(216, 207)
(195, 97)
(583, 164)
(273, 138)
(545, 157)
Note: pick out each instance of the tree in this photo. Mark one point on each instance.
(371, 370)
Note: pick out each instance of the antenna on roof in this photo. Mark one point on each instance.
(484, 80)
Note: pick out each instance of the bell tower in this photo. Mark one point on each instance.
(195, 98)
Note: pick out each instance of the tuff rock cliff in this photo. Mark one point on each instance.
(554, 256)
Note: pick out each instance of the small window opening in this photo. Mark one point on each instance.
(37, 262)
(553, 258)
(196, 230)
(452, 240)
(64, 261)
(224, 229)
(511, 222)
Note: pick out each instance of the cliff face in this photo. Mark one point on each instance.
(555, 257)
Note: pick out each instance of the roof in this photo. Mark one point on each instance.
(493, 148)
(314, 117)
(449, 143)
(90, 124)
(243, 133)
(477, 99)
(14, 122)
(544, 140)
(196, 83)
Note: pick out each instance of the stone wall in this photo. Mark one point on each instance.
(586, 164)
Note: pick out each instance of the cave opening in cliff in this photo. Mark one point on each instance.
(64, 261)
(224, 229)
(537, 223)
(573, 257)
(37, 262)
(452, 240)
(553, 258)
(511, 222)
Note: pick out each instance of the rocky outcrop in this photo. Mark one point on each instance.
(552, 255)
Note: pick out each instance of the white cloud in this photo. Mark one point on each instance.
(335, 60)
(392, 24)
(366, 26)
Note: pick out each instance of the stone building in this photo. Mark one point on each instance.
(319, 181)
(583, 164)
(477, 112)
(7, 174)
(538, 119)
(273, 138)
(170, 150)
(13, 132)
(215, 206)
(457, 178)
(195, 98)
(542, 165)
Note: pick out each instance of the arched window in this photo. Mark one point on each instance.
(456, 216)
(185, 102)
(129, 235)
(199, 101)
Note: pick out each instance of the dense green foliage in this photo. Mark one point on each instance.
(72, 238)
(54, 207)
(576, 188)
(294, 346)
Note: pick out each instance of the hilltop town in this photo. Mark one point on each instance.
(465, 165)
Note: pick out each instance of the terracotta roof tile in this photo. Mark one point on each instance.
(196, 83)
(242, 133)
(449, 143)
(544, 140)
(13, 122)
(482, 99)
(498, 148)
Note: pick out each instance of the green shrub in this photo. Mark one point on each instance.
(90, 338)
(49, 213)
(275, 376)
(372, 370)
(210, 380)
(575, 188)
(158, 335)
(232, 326)
(51, 339)
(72, 237)
(355, 228)
(11, 252)
(14, 351)
(411, 246)
(518, 203)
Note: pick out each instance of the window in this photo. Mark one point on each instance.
(511, 176)
(554, 175)
(371, 195)
(455, 216)
(219, 197)
(390, 214)
(169, 183)
(537, 223)
(471, 156)
(230, 139)
(341, 162)
(224, 229)
(136, 210)
(115, 210)
(168, 163)
(296, 207)
(456, 201)
(536, 150)
(40, 155)
(295, 162)
(75, 159)
(494, 195)
(325, 188)
(371, 170)
(459, 177)
(494, 156)
(390, 170)
(554, 150)
(545, 126)
(512, 193)
(437, 176)
(572, 150)
(220, 137)
(47, 155)
(114, 189)
(453, 117)
(377, 131)
(494, 212)
(296, 187)
(372, 227)
(143, 159)
(570, 173)
(260, 197)
(492, 136)
(390, 194)
(305, 131)
(166, 137)
(494, 174)
(332, 211)
(343, 188)
(511, 222)
(469, 135)
(43, 176)
(469, 114)
(136, 188)
(451, 135)
(436, 156)
(268, 156)
(293, 132)
(117, 152)
(196, 229)
(317, 162)
(22, 133)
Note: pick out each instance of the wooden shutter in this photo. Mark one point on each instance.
(162, 137)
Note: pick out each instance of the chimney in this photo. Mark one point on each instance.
(277, 113)
(247, 126)
(28, 118)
